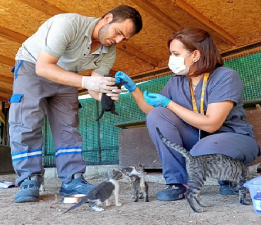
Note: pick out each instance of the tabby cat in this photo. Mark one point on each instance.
(215, 166)
(103, 192)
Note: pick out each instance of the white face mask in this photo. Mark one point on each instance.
(177, 65)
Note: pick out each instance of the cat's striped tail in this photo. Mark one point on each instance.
(174, 146)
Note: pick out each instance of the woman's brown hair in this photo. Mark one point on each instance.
(198, 39)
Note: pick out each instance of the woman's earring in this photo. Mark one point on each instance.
(195, 60)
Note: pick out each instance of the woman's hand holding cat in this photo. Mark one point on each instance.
(156, 100)
(120, 76)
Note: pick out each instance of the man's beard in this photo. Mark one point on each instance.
(102, 34)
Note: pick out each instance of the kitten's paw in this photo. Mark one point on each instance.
(108, 203)
(98, 209)
(203, 204)
(42, 188)
(118, 204)
(198, 210)
(245, 202)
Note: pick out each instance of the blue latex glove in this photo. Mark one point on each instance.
(156, 100)
(120, 76)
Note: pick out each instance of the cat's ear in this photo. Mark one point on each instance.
(132, 178)
(253, 168)
(113, 171)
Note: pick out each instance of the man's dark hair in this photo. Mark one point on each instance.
(123, 12)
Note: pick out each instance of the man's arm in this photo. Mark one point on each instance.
(46, 67)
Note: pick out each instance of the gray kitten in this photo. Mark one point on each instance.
(103, 192)
(139, 186)
(215, 166)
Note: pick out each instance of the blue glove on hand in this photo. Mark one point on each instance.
(120, 76)
(156, 100)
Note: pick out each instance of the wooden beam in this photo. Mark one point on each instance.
(2, 117)
(5, 94)
(154, 72)
(139, 54)
(5, 91)
(6, 86)
(7, 61)
(2, 99)
(7, 105)
(43, 6)
(158, 14)
(206, 21)
(12, 35)
(6, 79)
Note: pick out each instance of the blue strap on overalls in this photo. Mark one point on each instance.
(15, 69)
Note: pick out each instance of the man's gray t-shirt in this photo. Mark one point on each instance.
(68, 37)
(224, 84)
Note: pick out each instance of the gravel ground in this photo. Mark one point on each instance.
(49, 210)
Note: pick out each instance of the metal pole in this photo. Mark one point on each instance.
(99, 132)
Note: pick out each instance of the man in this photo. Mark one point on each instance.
(46, 82)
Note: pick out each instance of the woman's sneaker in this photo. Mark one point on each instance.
(76, 186)
(172, 193)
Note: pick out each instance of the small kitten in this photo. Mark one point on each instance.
(215, 166)
(103, 192)
(139, 186)
(107, 104)
(42, 186)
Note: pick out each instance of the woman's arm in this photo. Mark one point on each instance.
(139, 99)
(215, 115)
(134, 90)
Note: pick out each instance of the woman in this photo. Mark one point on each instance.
(200, 108)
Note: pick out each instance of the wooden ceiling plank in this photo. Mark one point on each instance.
(5, 91)
(158, 14)
(7, 61)
(43, 6)
(133, 51)
(7, 86)
(155, 71)
(12, 35)
(2, 117)
(2, 99)
(206, 21)
(6, 79)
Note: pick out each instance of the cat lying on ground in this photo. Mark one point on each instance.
(215, 166)
(103, 192)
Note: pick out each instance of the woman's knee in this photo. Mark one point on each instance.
(160, 116)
